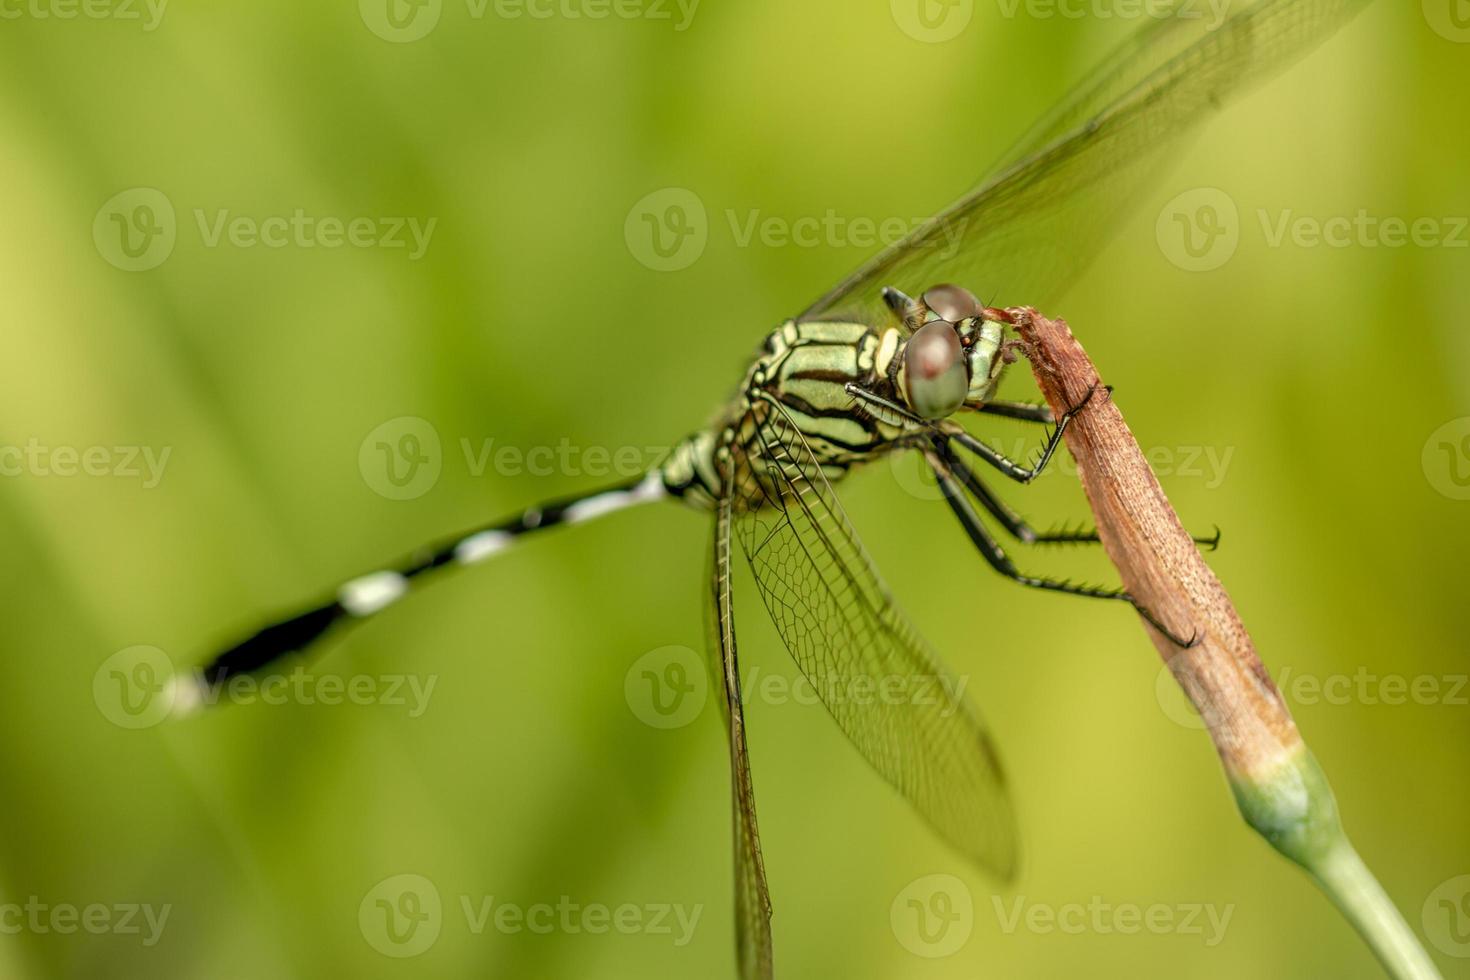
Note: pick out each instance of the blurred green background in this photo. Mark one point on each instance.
(1300, 396)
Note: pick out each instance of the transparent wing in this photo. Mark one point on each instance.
(752, 899)
(1027, 231)
(903, 711)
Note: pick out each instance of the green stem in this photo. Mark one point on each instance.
(1348, 882)
(1293, 808)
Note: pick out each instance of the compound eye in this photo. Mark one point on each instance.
(935, 377)
(953, 303)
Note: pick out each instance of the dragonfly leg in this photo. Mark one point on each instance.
(1021, 411)
(995, 555)
(874, 401)
(1012, 469)
(1014, 523)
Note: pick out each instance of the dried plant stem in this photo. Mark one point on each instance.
(1280, 789)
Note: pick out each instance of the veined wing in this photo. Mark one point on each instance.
(752, 898)
(887, 691)
(1025, 233)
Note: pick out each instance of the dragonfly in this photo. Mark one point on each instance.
(865, 372)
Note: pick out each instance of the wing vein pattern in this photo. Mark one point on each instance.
(1028, 230)
(887, 691)
(752, 897)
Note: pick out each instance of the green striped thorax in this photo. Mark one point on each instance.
(952, 358)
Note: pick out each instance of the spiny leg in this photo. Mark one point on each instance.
(369, 594)
(1020, 411)
(891, 411)
(1013, 522)
(1012, 469)
(995, 555)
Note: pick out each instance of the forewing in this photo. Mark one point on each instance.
(887, 691)
(1025, 233)
(752, 898)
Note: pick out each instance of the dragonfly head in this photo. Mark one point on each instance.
(952, 360)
